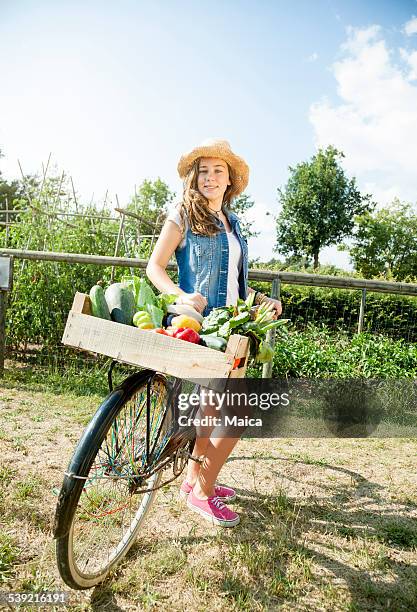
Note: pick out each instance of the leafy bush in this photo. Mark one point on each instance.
(43, 291)
(318, 353)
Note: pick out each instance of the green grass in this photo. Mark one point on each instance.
(37, 418)
(304, 458)
(237, 592)
(264, 569)
(279, 505)
(346, 532)
(140, 583)
(77, 376)
(398, 533)
(19, 445)
(7, 474)
(9, 556)
(31, 487)
(38, 581)
(165, 561)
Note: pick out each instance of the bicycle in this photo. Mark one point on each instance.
(117, 466)
(114, 474)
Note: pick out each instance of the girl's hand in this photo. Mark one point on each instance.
(195, 300)
(276, 304)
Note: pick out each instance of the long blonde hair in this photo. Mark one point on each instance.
(195, 207)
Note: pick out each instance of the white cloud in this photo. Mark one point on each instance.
(375, 122)
(263, 221)
(411, 60)
(411, 26)
(313, 57)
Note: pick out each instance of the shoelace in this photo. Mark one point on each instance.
(217, 503)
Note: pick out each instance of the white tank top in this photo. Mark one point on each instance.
(235, 257)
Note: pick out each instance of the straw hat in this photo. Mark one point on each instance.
(216, 147)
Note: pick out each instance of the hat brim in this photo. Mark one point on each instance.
(239, 166)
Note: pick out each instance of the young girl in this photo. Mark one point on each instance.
(212, 258)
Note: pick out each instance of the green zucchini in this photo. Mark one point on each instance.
(214, 342)
(99, 306)
(121, 303)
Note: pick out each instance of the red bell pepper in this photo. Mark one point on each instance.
(183, 333)
(172, 331)
(187, 334)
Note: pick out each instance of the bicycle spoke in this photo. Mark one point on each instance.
(109, 509)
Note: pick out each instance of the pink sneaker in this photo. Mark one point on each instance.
(225, 493)
(213, 510)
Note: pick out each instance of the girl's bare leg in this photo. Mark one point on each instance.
(201, 443)
(217, 451)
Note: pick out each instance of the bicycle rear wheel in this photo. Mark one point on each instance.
(102, 504)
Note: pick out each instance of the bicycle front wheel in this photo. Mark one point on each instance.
(102, 504)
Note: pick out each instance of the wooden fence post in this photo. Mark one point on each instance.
(270, 336)
(6, 241)
(362, 311)
(6, 274)
(116, 249)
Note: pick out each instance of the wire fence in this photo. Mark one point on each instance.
(339, 310)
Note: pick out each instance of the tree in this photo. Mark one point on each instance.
(319, 203)
(151, 202)
(241, 205)
(9, 192)
(385, 243)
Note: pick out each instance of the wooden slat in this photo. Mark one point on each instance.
(145, 348)
(239, 372)
(237, 346)
(81, 303)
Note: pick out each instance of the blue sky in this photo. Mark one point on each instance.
(118, 91)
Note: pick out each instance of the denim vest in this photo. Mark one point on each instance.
(203, 263)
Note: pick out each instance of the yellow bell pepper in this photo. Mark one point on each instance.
(185, 321)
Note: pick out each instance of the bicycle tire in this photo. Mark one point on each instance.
(83, 496)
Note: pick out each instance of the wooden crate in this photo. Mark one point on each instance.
(144, 348)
